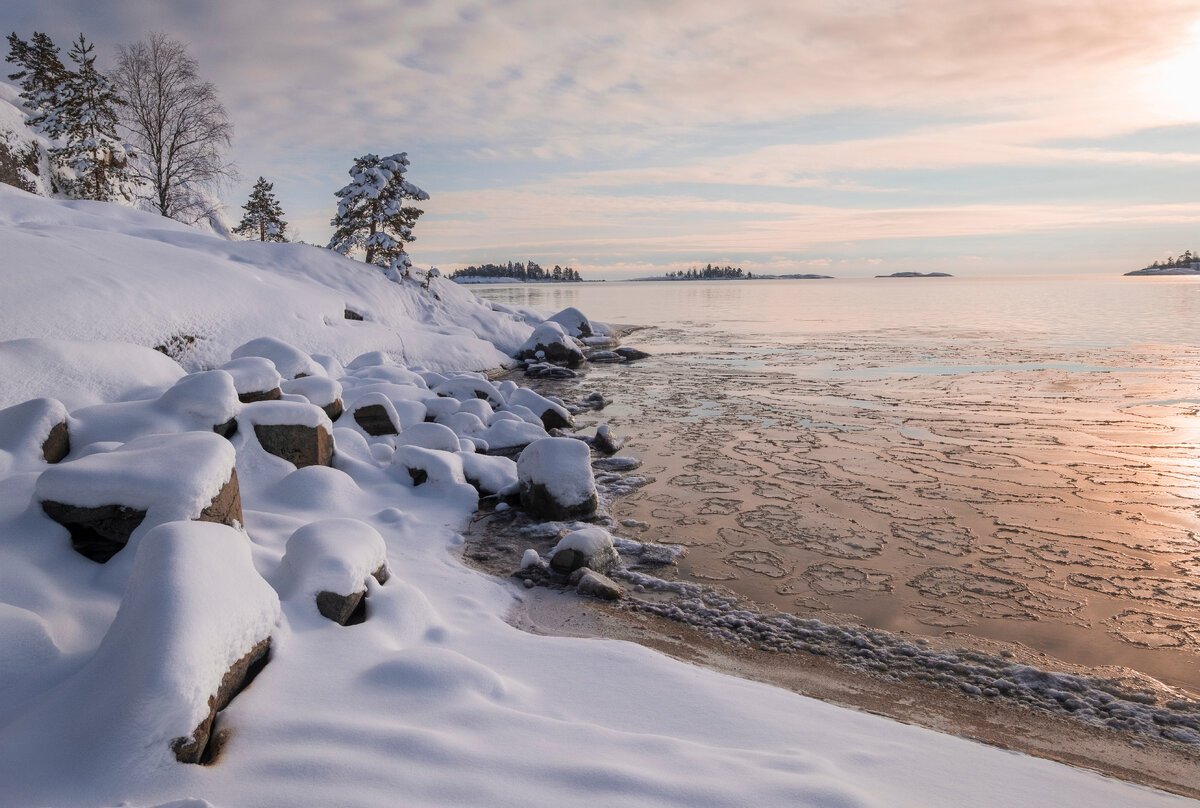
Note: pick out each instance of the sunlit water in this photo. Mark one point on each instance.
(1010, 458)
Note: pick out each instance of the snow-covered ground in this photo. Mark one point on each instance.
(434, 699)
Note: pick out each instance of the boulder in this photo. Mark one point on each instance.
(591, 547)
(35, 430)
(552, 415)
(194, 627)
(291, 362)
(429, 436)
(605, 441)
(375, 414)
(573, 322)
(555, 476)
(598, 586)
(295, 431)
(298, 444)
(330, 561)
(254, 378)
(549, 342)
(102, 498)
(467, 387)
(319, 390)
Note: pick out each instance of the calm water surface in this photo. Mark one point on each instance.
(1012, 458)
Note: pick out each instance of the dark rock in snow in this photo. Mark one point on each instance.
(340, 608)
(350, 314)
(57, 444)
(300, 445)
(334, 410)
(375, 421)
(273, 394)
(101, 532)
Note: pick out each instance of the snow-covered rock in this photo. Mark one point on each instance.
(591, 547)
(489, 474)
(254, 377)
(429, 436)
(103, 498)
(549, 414)
(298, 432)
(33, 431)
(328, 562)
(573, 321)
(556, 479)
(549, 342)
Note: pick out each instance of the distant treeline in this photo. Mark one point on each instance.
(530, 271)
(1181, 261)
(708, 273)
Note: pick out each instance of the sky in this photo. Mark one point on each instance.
(627, 138)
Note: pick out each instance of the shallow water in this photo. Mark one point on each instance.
(1010, 458)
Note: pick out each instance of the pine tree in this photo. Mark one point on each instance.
(86, 119)
(41, 72)
(371, 212)
(264, 216)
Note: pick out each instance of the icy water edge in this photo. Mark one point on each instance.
(1011, 459)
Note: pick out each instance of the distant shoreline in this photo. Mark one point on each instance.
(1179, 269)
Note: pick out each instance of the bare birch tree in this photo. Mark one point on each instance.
(177, 124)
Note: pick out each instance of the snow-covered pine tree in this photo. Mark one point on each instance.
(264, 216)
(86, 121)
(371, 212)
(40, 74)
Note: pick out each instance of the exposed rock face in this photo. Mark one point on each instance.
(351, 314)
(339, 608)
(375, 421)
(297, 444)
(57, 444)
(273, 394)
(101, 532)
(236, 679)
(96, 533)
(334, 409)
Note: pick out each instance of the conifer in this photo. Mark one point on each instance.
(264, 216)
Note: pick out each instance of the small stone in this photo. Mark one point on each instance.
(631, 354)
(599, 586)
(528, 583)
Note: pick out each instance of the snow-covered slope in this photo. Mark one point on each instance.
(434, 700)
(96, 271)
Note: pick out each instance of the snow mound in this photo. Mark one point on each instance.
(76, 373)
(332, 555)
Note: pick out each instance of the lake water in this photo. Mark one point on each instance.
(1012, 458)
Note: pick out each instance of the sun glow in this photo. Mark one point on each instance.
(1172, 87)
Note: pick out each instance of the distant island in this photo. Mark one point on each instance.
(515, 272)
(917, 275)
(725, 273)
(1186, 264)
